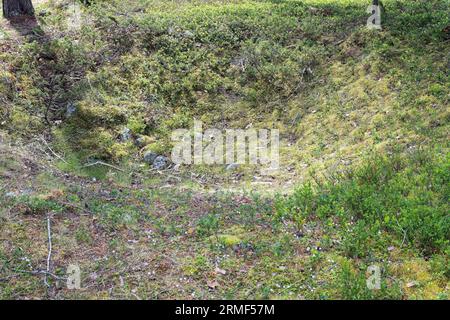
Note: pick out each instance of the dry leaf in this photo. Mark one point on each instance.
(220, 271)
(412, 284)
(212, 284)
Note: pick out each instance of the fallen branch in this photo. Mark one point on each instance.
(68, 204)
(103, 164)
(51, 150)
(49, 257)
(8, 277)
(38, 272)
(32, 272)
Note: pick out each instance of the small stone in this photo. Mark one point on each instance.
(299, 234)
(43, 13)
(26, 192)
(12, 194)
(70, 109)
(140, 142)
(143, 141)
(232, 166)
(161, 162)
(150, 156)
(188, 34)
(220, 271)
(125, 135)
(412, 284)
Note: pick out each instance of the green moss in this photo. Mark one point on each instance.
(159, 147)
(136, 125)
(195, 266)
(229, 240)
(120, 151)
(232, 236)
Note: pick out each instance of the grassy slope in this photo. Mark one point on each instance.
(153, 67)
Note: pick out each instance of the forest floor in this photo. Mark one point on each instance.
(364, 177)
(154, 239)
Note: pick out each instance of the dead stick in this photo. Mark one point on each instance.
(49, 257)
(103, 164)
(37, 272)
(53, 152)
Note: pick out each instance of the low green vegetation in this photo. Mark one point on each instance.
(406, 197)
(309, 68)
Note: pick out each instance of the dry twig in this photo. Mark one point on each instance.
(49, 257)
(51, 150)
(103, 164)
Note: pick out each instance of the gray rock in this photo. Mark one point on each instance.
(125, 135)
(139, 141)
(70, 109)
(142, 141)
(161, 162)
(43, 13)
(150, 156)
(232, 167)
(10, 194)
(188, 34)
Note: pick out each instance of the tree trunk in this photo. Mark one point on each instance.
(12, 8)
(375, 2)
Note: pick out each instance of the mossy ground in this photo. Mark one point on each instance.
(162, 240)
(363, 117)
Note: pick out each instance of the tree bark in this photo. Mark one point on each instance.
(12, 8)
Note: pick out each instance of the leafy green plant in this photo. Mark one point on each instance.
(208, 225)
(404, 196)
